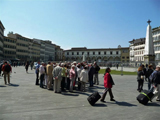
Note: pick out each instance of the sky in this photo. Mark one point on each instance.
(80, 23)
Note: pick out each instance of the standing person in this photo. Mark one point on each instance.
(97, 68)
(57, 78)
(91, 72)
(41, 73)
(144, 71)
(78, 73)
(140, 78)
(84, 78)
(72, 77)
(148, 73)
(45, 76)
(26, 66)
(117, 65)
(64, 75)
(68, 77)
(49, 70)
(37, 73)
(108, 82)
(31, 65)
(155, 79)
(6, 68)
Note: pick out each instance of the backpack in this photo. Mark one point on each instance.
(7, 68)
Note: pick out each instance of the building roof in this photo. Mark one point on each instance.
(156, 28)
(2, 25)
(135, 41)
(95, 49)
(9, 38)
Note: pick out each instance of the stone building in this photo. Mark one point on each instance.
(1, 40)
(113, 55)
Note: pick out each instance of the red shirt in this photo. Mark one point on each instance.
(107, 81)
(4, 67)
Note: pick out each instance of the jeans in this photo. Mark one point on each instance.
(62, 83)
(140, 85)
(41, 80)
(96, 79)
(91, 80)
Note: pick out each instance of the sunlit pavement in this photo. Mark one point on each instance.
(22, 100)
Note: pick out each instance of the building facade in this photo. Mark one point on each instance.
(113, 55)
(156, 42)
(9, 48)
(59, 55)
(1, 40)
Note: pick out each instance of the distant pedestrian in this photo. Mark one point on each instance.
(148, 73)
(64, 75)
(97, 68)
(6, 68)
(49, 70)
(91, 72)
(26, 66)
(117, 65)
(84, 78)
(140, 78)
(78, 73)
(57, 78)
(37, 73)
(41, 74)
(72, 77)
(108, 83)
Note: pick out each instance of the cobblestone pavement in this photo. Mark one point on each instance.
(22, 100)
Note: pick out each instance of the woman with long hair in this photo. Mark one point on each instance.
(108, 82)
(140, 79)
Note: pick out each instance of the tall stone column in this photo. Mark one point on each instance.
(149, 55)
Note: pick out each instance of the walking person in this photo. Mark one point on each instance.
(49, 70)
(91, 72)
(97, 68)
(140, 79)
(84, 78)
(26, 66)
(31, 65)
(108, 83)
(57, 78)
(6, 68)
(41, 73)
(37, 73)
(72, 77)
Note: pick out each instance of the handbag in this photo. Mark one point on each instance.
(142, 77)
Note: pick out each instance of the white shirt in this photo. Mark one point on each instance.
(41, 69)
(78, 72)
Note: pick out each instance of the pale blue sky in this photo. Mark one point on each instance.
(80, 23)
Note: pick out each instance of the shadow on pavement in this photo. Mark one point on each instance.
(124, 104)
(30, 73)
(14, 85)
(153, 104)
(70, 94)
(100, 105)
(2, 86)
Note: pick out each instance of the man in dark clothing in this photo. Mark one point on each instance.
(97, 68)
(155, 79)
(91, 72)
(148, 73)
(6, 68)
(1, 68)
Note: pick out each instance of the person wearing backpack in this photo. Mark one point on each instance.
(6, 68)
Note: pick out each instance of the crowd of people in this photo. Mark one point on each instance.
(151, 76)
(61, 77)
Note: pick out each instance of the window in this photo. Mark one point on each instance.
(127, 57)
(77, 53)
(123, 57)
(82, 53)
(93, 53)
(72, 53)
(110, 52)
(87, 53)
(105, 53)
(99, 53)
(117, 52)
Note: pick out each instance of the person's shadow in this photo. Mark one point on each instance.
(2, 86)
(13, 85)
(122, 103)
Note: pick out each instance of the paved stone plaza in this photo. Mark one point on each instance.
(22, 100)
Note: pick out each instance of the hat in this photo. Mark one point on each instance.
(74, 62)
(73, 66)
(158, 66)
